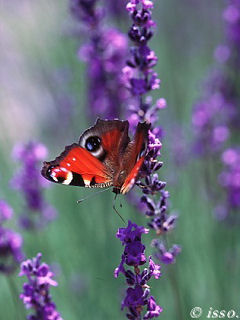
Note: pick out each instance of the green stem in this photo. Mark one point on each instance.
(15, 298)
(210, 178)
(176, 291)
(175, 286)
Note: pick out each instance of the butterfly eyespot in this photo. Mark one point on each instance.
(59, 174)
(93, 144)
(49, 171)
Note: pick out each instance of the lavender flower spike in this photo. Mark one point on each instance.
(35, 293)
(137, 299)
(216, 115)
(164, 255)
(140, 79)
(104, 54)
(229, 179)
(10, 242)
(31, 184)
(138, 74)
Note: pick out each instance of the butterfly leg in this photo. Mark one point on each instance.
(115, 209)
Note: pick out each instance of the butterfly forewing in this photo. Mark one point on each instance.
(76, 166)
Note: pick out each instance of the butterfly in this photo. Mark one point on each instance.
(105, 156)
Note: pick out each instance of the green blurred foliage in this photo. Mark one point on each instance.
(39, 47)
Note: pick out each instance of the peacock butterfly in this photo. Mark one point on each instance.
(104, 157)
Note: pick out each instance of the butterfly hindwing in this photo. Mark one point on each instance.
(135, 155)
(132, 176)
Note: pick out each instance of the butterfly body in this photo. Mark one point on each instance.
(104, 157)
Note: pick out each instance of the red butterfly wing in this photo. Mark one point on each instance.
(77, 166)
(131, 178)
(114, 140)
(135, 155)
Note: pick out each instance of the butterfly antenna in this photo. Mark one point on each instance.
(92, 195)
(114, 208)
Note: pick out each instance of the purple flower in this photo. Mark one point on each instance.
(154, 269)
(139, 76)
(153, 310)
(229, 179)
(134, 297)
(35, 293)
(232, 17)
(29, 181)
(134, 253)
(140, 79)
(10, 242)
(137, 294)
(164, 255)
(6, 212)
(222, 53)
(213, 114)
(134, 249)
(104, 53)
(132, 233)
(86, 11)
(161, 221)
(216, 115)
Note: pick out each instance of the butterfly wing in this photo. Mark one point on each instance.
(92, 162)
(114, 140)
(132, 177)
(135, 155)
(77, 167)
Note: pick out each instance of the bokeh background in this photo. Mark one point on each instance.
(42, 98)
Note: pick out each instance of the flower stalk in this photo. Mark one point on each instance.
(10, 242)
(216, 118)
(104, 54)
(28, 180)
(138, 301)
(141, 79)
(36, 295)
